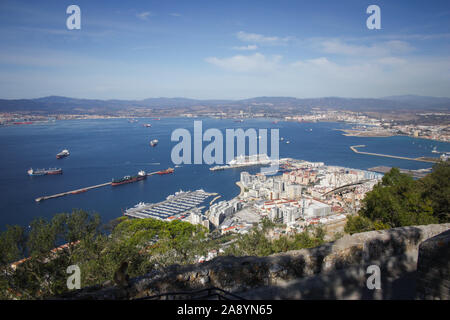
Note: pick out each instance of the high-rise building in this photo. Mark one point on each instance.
(294, 191)
(278, 186)
(245, 178)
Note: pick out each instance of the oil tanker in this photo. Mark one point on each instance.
(129, 179)
(43, 172)
(167, 171)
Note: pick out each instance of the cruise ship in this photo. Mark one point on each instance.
(245, 161)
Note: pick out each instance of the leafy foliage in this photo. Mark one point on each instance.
(256, 243)
(399, 200)
(145, 244)
(435, 187)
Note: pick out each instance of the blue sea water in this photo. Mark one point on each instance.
(111, 148)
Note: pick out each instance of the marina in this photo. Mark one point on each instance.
(175, 206)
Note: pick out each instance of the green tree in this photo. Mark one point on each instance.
(399, 200)
(396, 202)
(435, 187)
(356, 224)
(12, 244)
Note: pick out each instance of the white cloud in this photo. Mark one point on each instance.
(337, 46)
(416, 36)
(262, 39)
(322, 61)
(392, 61)
(252, 63)
(328, 76)
(144, 15)
(247, 47)
(370, 78)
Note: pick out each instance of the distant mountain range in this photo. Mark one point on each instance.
(57, 104)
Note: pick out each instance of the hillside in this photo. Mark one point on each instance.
(58, 104)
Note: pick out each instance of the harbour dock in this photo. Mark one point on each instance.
(421, 159)
(212, 201)
(175, 206)
(81, 190)
(71, 192)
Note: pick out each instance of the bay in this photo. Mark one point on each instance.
(112, 148)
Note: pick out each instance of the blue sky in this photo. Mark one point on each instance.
(223, 49)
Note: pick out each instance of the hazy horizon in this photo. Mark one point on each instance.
(237, 99)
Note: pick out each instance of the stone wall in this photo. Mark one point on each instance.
(433, 268)
(332, 271)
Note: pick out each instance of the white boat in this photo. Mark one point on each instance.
(63, 154)
(154, 142)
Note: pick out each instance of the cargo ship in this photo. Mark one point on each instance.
(154, 142)
(167, 171)
(128, 179)
(23, 122)
(43, 172)
(62, 154)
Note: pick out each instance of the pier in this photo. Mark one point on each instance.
(212, 201)
(81, 190)
(421, 159)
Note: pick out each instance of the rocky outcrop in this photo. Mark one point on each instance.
(332, 271)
